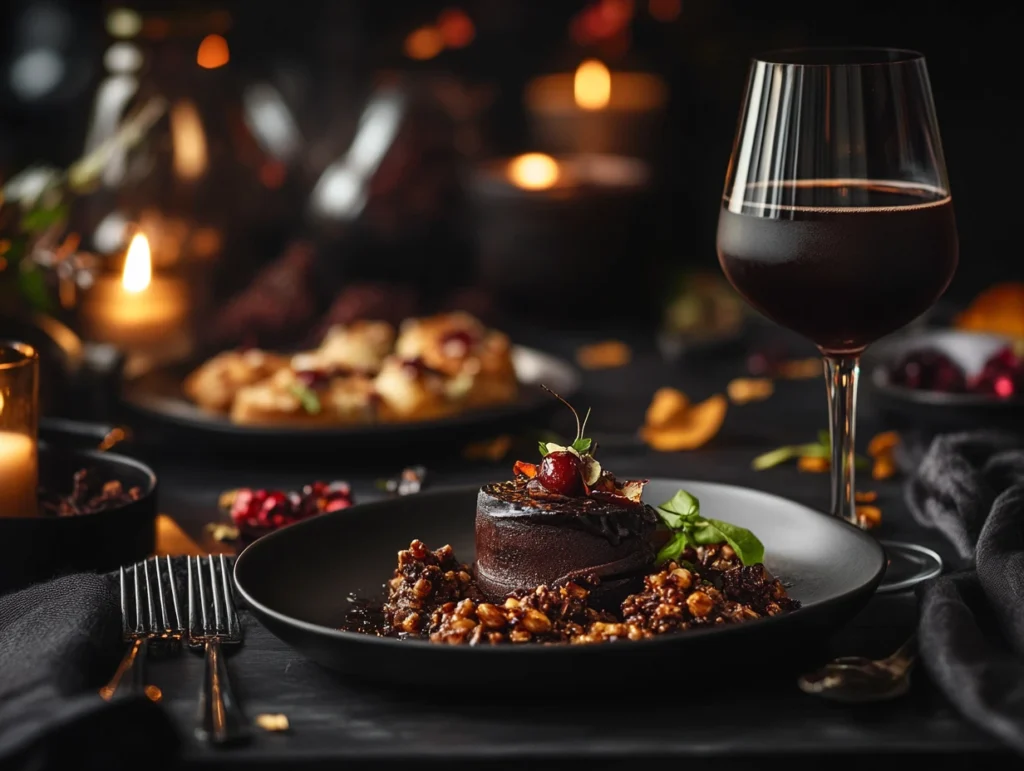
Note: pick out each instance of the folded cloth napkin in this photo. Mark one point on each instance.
(59, 641)
(970, 486)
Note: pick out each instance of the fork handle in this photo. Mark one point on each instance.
(132, 667)
(221, 720)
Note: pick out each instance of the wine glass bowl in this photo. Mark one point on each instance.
(836, 219)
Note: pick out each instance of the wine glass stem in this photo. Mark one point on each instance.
(841, 374)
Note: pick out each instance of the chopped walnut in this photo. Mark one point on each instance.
(423, 581)
(546, 615)
(432, 595)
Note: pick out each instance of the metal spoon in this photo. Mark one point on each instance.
(855, 679)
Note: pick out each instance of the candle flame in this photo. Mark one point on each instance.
(534, 171)
(593, 85)
(138, 265)
(188, 140)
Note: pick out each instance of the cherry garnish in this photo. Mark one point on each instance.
(560, 473)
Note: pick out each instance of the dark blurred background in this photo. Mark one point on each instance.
(471, 62)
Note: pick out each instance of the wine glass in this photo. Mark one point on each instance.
(837, 222)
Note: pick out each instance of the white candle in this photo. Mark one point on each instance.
(595, 110)
(143, 314)
(18, 475)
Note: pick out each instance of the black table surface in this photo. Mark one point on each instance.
(762, 715)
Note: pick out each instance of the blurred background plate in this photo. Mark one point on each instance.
(938, 410)
(157, 401)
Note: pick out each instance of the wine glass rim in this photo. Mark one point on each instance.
(840, 56)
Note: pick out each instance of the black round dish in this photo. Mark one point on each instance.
(34, 549)
(296, 580)
(157, 398)
(912, 408)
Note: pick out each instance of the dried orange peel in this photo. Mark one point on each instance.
(608, 354)
(672, 423)
(800, 369)
(869, 516)
(882, 450)
(813, 464)
(744, 390)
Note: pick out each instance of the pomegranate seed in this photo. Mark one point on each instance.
(1004, 387)
(931, 370)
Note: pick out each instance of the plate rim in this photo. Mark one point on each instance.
(471, 417)
(359, 638)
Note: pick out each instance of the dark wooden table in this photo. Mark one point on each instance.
(741, 721)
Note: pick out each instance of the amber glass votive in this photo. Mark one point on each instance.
(19, 424)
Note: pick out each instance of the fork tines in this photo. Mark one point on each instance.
(143, 593)
(211, 604)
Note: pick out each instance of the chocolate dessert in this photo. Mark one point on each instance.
(565, 519)
(566, 554)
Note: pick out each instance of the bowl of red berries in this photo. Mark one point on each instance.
(953, 378)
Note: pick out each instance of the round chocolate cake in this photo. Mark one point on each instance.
(527, 536)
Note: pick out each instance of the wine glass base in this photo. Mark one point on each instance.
(908, 565)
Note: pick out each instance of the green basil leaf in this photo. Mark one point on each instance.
(682, 507)
(543, 449)
(581, 445)
(774, 458)
(747, 546)
(825, 438)
(307, 398)
(673, 548)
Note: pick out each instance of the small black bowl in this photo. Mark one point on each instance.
(938, 410)
(34, 549)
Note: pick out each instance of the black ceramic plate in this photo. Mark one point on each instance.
(158, 398)
(916, 408)
(297, 579)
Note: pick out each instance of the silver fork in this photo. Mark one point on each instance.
(220, 720)
(147, 628)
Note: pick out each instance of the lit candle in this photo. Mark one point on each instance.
(594, 110)
(143, 314)
(18, 475)
(557, 231)
(19, 397)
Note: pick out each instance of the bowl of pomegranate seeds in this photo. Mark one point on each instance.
(256, 512)
(97, 511)
(951, 378)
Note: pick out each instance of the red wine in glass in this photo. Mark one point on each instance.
(846, 263)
